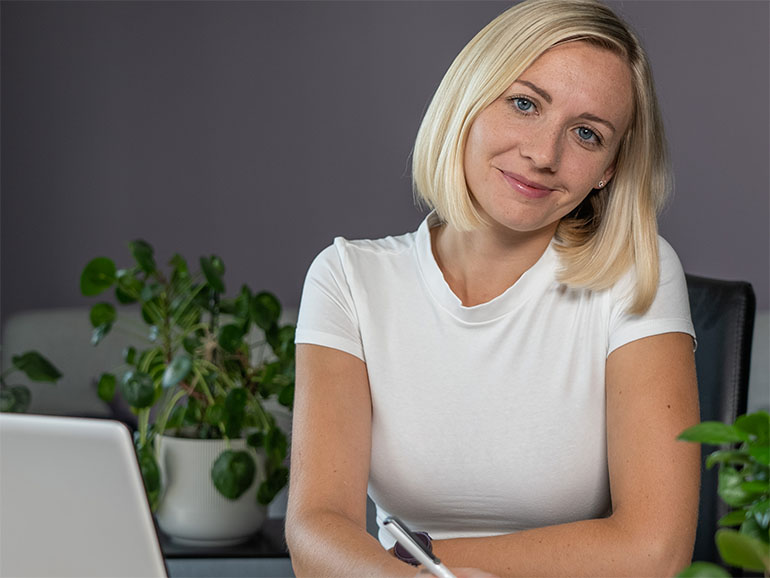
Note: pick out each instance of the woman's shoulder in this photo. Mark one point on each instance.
(361, 254)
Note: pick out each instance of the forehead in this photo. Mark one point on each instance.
(583, 75)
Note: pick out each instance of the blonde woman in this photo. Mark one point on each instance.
(511, 377)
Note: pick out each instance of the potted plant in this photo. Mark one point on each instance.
(199, 386)
(744, 484)
(16, 398)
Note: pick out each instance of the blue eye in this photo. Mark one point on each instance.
(587, 135)
(523, 104)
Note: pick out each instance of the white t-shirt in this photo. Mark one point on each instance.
(487, 419)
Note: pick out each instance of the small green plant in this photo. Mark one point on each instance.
(744, 484)
(16, 398)
(200, 370)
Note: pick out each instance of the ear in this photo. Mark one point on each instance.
(609, 172)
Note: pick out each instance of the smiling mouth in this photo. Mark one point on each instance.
(529, 189)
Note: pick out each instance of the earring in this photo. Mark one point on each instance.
(601, 184)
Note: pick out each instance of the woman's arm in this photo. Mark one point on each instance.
(331, 447)
(651, 396)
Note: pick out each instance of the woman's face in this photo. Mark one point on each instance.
(537, 151)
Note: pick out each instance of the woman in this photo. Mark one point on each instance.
(511, 377)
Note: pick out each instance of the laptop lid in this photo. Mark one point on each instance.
(72, 502)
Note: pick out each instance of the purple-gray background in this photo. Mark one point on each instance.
(260, 130)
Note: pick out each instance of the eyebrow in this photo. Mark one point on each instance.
(547, 97)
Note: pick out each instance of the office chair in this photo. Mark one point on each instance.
(723, 316)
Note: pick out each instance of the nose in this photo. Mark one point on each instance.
(543, 147)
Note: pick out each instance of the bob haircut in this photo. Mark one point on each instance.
(614, 228)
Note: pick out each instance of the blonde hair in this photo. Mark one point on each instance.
(614, 228)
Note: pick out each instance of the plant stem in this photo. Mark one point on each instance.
(144, 419)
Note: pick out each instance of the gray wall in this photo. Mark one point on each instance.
(260, 130)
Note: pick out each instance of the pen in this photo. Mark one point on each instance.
(405, 537)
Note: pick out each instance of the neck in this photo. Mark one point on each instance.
(479, 265)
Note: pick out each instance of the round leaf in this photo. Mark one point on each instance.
(143, 252)
(7, 400)
(137, 389)
(21, 398)
(106, 387)
(265, 310)
(232, 473)
(235, 410)
(37, 367)
(97, 276)
(743, 551)
(757, 424)
(714, 433)
(213, 273)
(730, 490)
(230, 337)
(102, 314)
(177, 370)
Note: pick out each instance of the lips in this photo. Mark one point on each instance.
(529, 189)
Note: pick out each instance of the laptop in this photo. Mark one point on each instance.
(72, 502)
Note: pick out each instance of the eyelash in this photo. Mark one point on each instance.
(516, 100)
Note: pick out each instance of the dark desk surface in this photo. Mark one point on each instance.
(267, 543)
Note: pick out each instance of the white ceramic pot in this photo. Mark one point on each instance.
(191, 510)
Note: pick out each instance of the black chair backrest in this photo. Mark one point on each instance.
(723, 316)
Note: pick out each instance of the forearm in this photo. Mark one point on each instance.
(328, 544)
(602, 547)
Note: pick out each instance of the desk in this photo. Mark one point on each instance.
(263, 555)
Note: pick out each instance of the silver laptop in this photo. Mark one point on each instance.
(72, 501)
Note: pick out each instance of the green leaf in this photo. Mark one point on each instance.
(276, 446)
(215, 414)
(176, 371)
(143, 252)
(714, 433)
(137, 389)
(7, 400)
(274, 483)
(180, 265)
(99, 333)
(212, 270)
(242, 308)
(286, 397)
(751, 528)
(734, 518)
(232, 473)
(193, 414)
(230, 337)
(756, 487)
(743, 551)
(703, 570)
(191, 343)
(15, 399)
(730, 489)
(265, 310)
(106, 387)
(102, 314)
(128, 287)
(176, 419)
(761, 454)
(761, 512)
(150, 474)
(129, 355)
(255, 440)
(727, 457)
(235, 410)
(98, 275)
(36, 367)
(756, 424)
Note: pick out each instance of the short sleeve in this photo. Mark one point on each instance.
(327, 313)
(669, 312)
